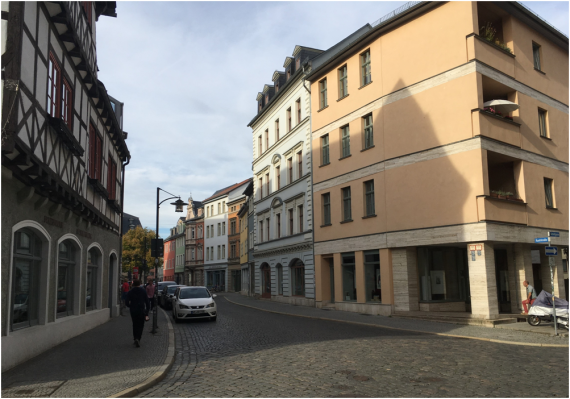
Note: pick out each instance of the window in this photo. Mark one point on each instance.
(369, 198)
(549, 192)
(211, 253)
(290, 170)
(345, 139)
(199, 257)
(372, 276)
(366, 73)
(207, 231)
(348, 274)
(54, 79)
(267, 183)
(267, 226)
(233, 251)
(278, 176)
(25, 279)
(277, 130)
(323, 96)
(290, 222)
(223, 228)
(233, 227)
(266, 139)
(260, 187)
(91, 284)
(111, 178)
(300, 164)
(536, 55)
(436, 282)
(208, 211)
(259, 147)
(65, 278)
(266, 98)
(542, 125)
(223, 252)
(276, 86)
(298, 63)
(300, 213)
(289, 120)
(207, 253)
(278, 217)
(298, 277)
(192, 253)
(368, 132)
(261, 231)
(279, 279)
(325, 160)
(219, 252)
(66, 103)
(346, 205)
(326, 209)
(298, 106)
(192, 233)
(219, 229)
(342, 82)
(95, 154)
(288, 73)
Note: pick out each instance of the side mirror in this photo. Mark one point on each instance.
(214, 295)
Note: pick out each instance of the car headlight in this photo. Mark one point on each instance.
(211, 305)
(183, 307)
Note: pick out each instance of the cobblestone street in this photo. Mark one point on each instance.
(250, 353)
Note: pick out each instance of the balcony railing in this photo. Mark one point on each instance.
(490, 54)
(495, 127)
(501, 210)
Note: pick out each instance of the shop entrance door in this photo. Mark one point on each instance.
(502, 275)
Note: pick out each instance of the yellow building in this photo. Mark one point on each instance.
(427, 198)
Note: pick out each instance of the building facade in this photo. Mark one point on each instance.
(283, 250)
(169, 259)
(426, 198)
(63, 154)
(243, 216)
(194, 267)
(234, 241)
(179, 261)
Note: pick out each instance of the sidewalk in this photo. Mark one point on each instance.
(540, 336)
(102, 362)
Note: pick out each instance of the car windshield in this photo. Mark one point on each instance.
(171, 289)
(187, 293)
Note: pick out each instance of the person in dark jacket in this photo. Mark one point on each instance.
(139, 305)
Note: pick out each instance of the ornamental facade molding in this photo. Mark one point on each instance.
(283, 250)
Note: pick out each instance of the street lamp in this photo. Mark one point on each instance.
(179, 207)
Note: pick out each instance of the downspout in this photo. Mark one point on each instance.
(120, 260)
(305, 74)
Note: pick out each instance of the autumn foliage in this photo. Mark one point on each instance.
(134, 250)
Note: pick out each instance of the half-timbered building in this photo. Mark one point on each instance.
(63, 159)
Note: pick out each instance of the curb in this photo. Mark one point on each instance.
(497, 341)
(160, 374)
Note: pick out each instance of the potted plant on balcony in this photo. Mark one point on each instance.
(494, 193)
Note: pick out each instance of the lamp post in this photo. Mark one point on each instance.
(179, 207)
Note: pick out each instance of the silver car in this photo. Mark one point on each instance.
(193, 303)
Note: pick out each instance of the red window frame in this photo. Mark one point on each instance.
(66, 103)
(53, 92)
(95, 155)
(111, 178)
(88, 7)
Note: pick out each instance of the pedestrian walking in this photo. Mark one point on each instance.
(530, 296)
(139, 305)
(150, 290)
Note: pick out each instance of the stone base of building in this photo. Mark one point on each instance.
(375, 309)
(443, 307)
(24, 344)
(294, 300)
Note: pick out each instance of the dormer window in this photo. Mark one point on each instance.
(276, 86)
(266, 98)
(298, 63)
(288, 73)
(260, 106)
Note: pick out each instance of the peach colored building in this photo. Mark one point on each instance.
(426, 198)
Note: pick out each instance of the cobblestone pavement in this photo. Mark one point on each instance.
(98, 363)
(251, 353)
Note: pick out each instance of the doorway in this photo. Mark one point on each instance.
(502, 275)
(265, 281)
(537, 278)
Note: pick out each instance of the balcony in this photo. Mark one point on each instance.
(495, 127)
(501, 210)
(491, 54)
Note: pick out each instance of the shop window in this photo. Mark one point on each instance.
(91, 284)
(348, 277)
(298, 278)
(443, 274)
(65, 278)
(25, 279)
(372, 275)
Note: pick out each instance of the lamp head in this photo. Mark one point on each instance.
(179, 204)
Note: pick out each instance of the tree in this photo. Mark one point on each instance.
(134, 250)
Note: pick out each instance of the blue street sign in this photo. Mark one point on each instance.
(551, 251)
(541, 240)
(553, 234)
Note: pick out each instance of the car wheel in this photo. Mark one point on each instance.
(533, 320)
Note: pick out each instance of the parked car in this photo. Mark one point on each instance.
(168, 294)
(194, 303)
(161, 285)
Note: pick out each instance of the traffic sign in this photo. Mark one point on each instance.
(553, 234)
(541, 240)
(551, 251)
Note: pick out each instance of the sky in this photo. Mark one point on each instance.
(189, 73)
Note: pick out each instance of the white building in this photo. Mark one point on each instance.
(216, 237)
(283, 251)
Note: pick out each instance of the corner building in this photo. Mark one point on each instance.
(63, 161)
(425, 199)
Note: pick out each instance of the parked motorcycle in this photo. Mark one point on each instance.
(541, 310)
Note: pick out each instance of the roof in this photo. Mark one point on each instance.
(125, 222)
(225, 191)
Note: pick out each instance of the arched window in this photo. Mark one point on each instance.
(65, 278)
(91, 286)
(298, 277)
(25, 279)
